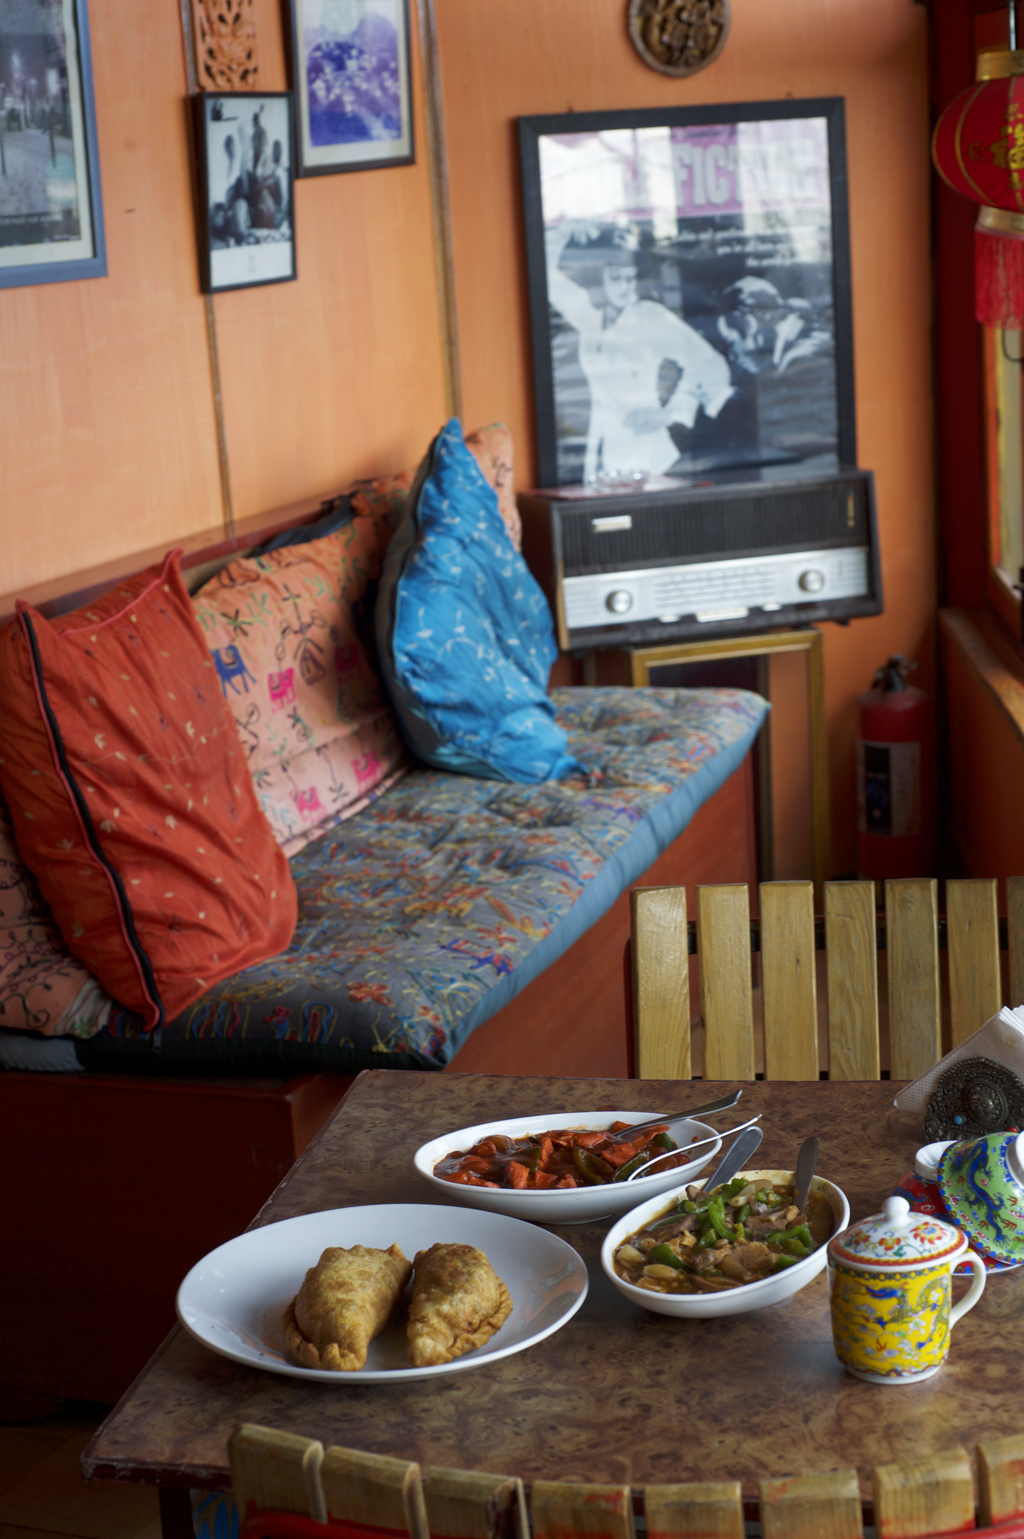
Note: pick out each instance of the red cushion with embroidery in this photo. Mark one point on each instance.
(131, 800)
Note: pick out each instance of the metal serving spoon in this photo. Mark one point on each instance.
(806, 1161)
(624, 1134)
(741, 1127)
(739, 1153)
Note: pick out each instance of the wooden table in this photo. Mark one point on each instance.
(618, 1394)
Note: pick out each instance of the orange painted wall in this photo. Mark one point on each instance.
(107, 429)
(503, 58)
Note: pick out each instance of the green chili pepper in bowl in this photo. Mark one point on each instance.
(664, 1255)
(792, 1247)
(594, 1172)
(624, 1173)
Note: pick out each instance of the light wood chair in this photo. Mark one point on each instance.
(916, 1499)
(787, 935)
(566, 1510)
(283, 1485)
(277, 1476)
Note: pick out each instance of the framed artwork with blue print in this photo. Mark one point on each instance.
(51, 211)
(353, 92)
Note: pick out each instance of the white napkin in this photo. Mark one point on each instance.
(1001, 1039)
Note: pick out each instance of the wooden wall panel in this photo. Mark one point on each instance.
(986, 767)
(106, 437)
(107, 430)
(338, 375)
(511, 57)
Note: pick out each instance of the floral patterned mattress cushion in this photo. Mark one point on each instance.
(424, 913)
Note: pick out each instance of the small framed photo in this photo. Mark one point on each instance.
(246, 224)
(689, 286)
(51, 212)
(350, 73)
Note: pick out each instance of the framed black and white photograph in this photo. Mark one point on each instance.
(689, 284)
(51, 210)
(350, 73)
(246, 189)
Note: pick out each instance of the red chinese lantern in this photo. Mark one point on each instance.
(978, 149)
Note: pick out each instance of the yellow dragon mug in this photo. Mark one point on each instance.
(890, 1283)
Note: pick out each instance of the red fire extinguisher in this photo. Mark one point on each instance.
(895, 776)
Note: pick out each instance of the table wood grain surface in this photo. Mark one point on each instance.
(618, 1394)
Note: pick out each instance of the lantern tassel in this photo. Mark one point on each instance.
(999, 280)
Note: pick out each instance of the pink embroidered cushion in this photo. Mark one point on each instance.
(490, 446)
(40, 980)
(384, 498)
(130, 798)
(319, 734)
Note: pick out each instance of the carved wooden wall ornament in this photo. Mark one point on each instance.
(225, 38)
(678, 37)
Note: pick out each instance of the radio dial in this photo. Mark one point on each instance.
(812, 581)
(620, 602)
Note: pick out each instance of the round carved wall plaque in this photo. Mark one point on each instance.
(678, 37)
(974, 1097)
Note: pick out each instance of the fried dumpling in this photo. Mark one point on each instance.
(345, 1301)
(458, 1302)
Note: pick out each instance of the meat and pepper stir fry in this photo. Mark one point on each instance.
(562, 1157)
(710, 1241)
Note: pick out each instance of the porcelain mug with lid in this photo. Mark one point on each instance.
(890, 1283)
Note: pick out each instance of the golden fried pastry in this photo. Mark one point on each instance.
(458, 1302)
(346, 1300)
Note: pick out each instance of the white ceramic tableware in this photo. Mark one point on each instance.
(566, 1205)
(734, 1301)
(233, 1299)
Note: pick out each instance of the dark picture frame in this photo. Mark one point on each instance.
(51, 203)
(353, 87)
(688, 275)
(245, 149)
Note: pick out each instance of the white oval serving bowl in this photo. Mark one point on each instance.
(566, 1205)
(734, 1301)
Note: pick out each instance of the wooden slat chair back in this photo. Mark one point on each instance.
(567, 1510)
(467, 1504)
(276, 1472)
(787, 936)
(916, 1499)
(279, 1477)
(285, 1486)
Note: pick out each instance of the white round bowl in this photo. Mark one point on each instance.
(564, 1205)
(734, 1301)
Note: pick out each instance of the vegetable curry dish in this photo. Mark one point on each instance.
(710, 1241)
(564, 1157)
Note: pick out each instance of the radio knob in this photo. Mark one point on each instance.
(620, 602)
(812, 581)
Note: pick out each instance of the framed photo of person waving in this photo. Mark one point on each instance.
(689, 282)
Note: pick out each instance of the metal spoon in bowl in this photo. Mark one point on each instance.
(739, 1153)
(806, 1162)
(741, 1127)
(624, 1134)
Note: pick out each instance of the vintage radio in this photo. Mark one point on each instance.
(727, 554)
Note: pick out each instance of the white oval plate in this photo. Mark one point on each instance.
(567, 1205)
(232, 1300)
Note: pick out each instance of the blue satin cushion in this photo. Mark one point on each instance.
(464, 631)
